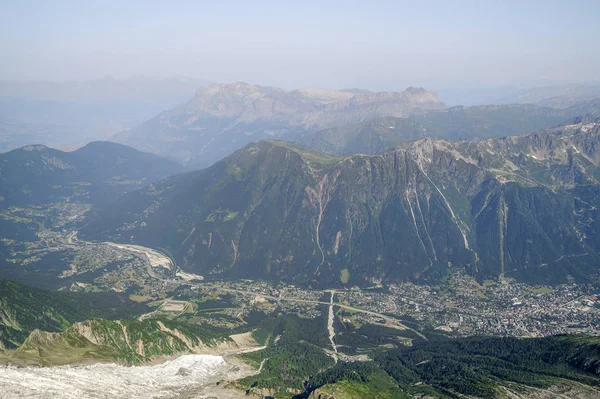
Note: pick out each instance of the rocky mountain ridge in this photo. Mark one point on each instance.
(523, 207)
(474, 123)
(223, 118)
(251, 102)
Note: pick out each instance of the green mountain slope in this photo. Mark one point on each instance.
(375, 136)
(294, 351)
(127, 342)
(473, 367)
(521, 206)
(97, 173)
(24, 309)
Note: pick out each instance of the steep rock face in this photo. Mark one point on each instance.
(364, 106)
(220, 119)
(144, 339)
(522, 207)
(247, 103)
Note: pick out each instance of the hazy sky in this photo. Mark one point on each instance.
(368, 44)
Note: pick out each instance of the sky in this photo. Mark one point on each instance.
(378, 45)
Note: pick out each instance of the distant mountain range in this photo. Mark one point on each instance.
(560, 96)
(220, 119)
(524, 207)
(97, 173)
(456, 123)
(375, 136)
(70, 114)
(487, 121)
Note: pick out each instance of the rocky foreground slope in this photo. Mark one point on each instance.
(523, 207)
(129, 342)
(24, 309)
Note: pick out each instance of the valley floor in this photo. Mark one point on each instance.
(302, 331)
(460, 307)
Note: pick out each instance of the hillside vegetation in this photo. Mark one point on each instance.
(473, 367)
(97, 173)
(24, 309)
(523, 207)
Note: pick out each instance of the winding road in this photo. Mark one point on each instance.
(391, 320)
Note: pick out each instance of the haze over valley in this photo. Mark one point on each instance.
(309, 201)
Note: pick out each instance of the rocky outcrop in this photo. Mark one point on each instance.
(317, 394)
(38, 338)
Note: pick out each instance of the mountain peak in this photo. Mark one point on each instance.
(305, 153)
(101, 146)
(35, 147)
(222, 118)
(275, 210)
(422, 95)
(413, 89)
(236, 87)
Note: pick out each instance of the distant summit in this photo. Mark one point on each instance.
(222, 118)
(35, 147)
